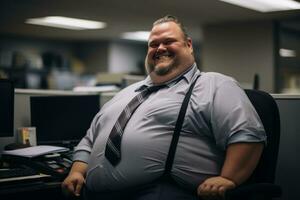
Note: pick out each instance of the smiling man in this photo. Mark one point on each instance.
(124, 153)
(170, 52)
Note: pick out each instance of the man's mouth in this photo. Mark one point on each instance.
(162, 56)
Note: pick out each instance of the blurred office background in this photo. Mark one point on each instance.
(260, 47)
(254, 46)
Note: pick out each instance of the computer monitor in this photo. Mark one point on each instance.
(6, 108)
(62, 120)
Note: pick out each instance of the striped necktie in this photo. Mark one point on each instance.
(113, 145)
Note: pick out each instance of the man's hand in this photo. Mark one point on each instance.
(72, 185)
(214, 188)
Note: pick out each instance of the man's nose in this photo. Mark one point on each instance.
(161, 47)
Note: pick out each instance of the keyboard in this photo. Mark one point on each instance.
(16, 172)
(22, 175)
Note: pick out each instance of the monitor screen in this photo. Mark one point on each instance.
(6, 108)
(62, 119)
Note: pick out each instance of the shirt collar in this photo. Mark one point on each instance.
(187, 75)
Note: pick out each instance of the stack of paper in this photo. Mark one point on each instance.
(31, 152)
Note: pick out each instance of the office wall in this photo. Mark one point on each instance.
(94, 55)
(240, 50)
(30, 50)
(79, 57)
(127, 57)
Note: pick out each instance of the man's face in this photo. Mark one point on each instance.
(167, 49)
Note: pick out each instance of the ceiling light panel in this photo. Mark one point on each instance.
(138, 35)
(266, 5)
(66, 23)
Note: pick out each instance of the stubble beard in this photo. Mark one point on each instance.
(158, 70)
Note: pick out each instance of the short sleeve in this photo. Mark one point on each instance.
(233, 117)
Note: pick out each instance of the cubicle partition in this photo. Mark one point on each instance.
(288, 167)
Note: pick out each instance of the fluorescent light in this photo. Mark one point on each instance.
(266, 5)
(138, 35)
(287, 53)
(66, 22)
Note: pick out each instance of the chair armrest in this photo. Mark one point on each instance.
(257, 189)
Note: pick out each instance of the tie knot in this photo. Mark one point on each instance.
(154, 88)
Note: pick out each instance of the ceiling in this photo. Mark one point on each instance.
(121, 16)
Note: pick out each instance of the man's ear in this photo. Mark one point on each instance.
(189, 43)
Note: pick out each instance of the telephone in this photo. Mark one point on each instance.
(54, 164)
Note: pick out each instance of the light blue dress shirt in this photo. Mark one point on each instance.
(219, 114)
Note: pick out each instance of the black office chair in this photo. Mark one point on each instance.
(261, 183)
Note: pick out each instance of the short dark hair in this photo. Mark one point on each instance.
(171, 18)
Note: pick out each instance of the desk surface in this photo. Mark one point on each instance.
(32, 189)
(37, 177)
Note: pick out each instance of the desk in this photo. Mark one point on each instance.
(32, 190)
(32, 186)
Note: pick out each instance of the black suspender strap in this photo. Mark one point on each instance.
(178, 126)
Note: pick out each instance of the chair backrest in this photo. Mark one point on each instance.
(268, 112)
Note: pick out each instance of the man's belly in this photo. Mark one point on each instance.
(143, 161)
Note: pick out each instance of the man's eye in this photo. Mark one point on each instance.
(169, 42)
(153, 45)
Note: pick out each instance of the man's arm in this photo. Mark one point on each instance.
(73, 183)
(241, 159)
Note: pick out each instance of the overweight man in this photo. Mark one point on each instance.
(124, 152)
